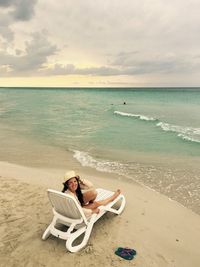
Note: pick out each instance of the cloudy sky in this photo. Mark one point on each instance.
(99, 43)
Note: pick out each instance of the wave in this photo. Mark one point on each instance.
(100, 165)
(186, 133)
(139, 116)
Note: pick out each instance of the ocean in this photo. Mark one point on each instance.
(147, 135)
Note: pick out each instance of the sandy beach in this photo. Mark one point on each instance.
(112, 91)
(163, 232)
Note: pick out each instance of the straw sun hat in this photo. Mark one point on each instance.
(68, 175)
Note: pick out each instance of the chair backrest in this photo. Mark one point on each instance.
(65, 205)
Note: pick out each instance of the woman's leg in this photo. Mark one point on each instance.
(89, 196)
(103, 202)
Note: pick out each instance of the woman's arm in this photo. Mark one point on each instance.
(85, 184)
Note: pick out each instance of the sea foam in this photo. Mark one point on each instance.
(100, 165)
(186, 133)
(139, 116)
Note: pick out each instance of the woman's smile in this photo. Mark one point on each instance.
(72, 184)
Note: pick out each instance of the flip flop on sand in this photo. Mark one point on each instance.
(126, 249)
(124, 254)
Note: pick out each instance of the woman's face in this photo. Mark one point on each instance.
(72, 184)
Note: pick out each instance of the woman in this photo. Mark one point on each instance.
(84, 192)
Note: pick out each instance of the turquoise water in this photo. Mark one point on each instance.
(159, 121)
(99, 130)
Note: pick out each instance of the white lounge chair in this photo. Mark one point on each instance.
(68, 212)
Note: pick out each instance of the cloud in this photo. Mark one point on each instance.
(30, 60)
(12, 11)
(132, 64)
(143, 62)
(33, 60)
(6, 3)
(24, 10)
(19, 9)
(130, 38)
(5, 32)
(71, 69)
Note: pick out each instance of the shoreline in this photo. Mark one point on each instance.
(163, 232)
(165, 175)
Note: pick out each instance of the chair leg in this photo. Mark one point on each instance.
(48, 230)
(119, 211)
(114, 210)
(86, 230)
(46, 233)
